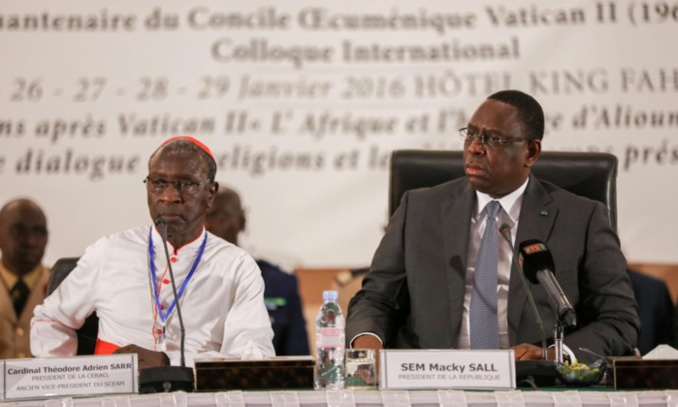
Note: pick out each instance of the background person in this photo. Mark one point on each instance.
(23, 238)
(226, 219)
(655, 309)
(124, 278)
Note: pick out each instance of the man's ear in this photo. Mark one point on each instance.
(533, 152)
(214, 188)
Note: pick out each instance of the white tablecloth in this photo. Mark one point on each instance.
(372, 398)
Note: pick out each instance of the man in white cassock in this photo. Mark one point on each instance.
(125, 279)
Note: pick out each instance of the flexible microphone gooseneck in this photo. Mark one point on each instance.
(162, 379)
(532, 373)
(505, 231)
(162, 225)
(539, 267)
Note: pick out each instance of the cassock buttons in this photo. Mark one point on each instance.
(173, 259)
(165, 281)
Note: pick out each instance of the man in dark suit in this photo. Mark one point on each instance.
(424, 281)
(226, 219)
(655, 309)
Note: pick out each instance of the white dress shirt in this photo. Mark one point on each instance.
(509, 214)
(222, 307)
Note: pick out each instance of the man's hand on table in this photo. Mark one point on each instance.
(147, 358)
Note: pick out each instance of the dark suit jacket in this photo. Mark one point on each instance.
(281, 294)
(655, 308)
(414, 293)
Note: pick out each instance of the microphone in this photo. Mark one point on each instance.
(505, 231)
(532, 373)
(163, 379)
(539, 267)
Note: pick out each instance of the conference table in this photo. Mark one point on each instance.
(594, 397)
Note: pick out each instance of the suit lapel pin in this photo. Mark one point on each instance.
(544, 212)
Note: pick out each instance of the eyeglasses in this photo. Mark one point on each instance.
(468, 136)
(159, 186)
(23, 232)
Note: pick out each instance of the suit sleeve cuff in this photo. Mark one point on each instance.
(365, 333)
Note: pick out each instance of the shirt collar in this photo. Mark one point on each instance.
(31, 278)
(192, 245)
(510, 203)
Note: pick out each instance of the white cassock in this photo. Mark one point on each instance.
(222, 304)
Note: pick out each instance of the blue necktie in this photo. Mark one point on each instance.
(484, 329)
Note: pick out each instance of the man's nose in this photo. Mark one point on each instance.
(476, 146)
(33, 239)
(170, 194)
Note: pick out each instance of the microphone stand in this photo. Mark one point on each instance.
(558, 336)
(566, 319)
(163, 379)
(533, 373)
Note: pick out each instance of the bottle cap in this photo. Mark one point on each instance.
(330, 295)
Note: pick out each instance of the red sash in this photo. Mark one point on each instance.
(105, 348)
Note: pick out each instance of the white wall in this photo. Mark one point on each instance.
(75, 99)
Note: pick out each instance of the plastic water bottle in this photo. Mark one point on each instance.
(330, 343)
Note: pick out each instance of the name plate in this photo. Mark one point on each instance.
(70, 376)
(447, 369)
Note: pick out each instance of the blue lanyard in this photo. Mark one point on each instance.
(151, 253)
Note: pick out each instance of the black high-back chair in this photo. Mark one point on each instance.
(87, 334)
(593, 175)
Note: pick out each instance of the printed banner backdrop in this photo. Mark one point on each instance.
(302, 103)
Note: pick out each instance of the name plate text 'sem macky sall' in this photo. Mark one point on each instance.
(447, 369)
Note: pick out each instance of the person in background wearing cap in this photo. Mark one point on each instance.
(125, 278)
(23, 238)
(226, 219)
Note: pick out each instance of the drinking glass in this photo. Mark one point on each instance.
(360, 370)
